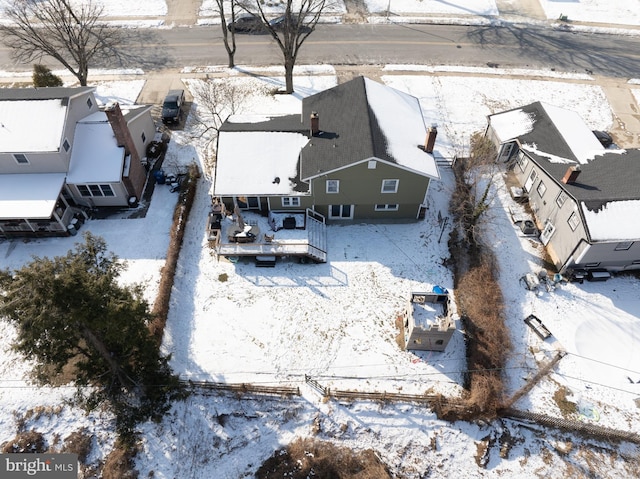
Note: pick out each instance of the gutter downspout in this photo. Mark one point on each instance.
(582, 240)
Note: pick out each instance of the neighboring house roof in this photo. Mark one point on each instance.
(29, 196)
(548, 131)
(31, 125)
(607, 187)
(358, 120)
(19, 133)
(95, 156)
(43, 93)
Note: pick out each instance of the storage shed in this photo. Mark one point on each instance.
(428, 325)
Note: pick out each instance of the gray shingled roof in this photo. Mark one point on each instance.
(608, 177)
(286, 123)
(545, 134)
(348, 129)
(42, 93)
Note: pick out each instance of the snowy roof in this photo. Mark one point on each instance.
(400, 118)
(511, 124)
(613, 221)
(22, 129)
(257, 162)
(29, 195)
(363, 119)
(96, 156)
(578, 136)
(558, 134)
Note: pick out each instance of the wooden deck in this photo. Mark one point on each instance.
(307, 242)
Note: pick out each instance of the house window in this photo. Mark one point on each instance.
(66, 145)
(372, 164)
(522, 160)
(89, 103)
(506, 150)
(573, 221)
(533, 176)
(592, 265)
(439, 342)
(333, 186)
(21, 159)
(389, 186)
(623, 245)
(542, 189)
(562, 197)
(95, 190)
(343, 212)
(386, 208)
(107, 190)
(547, 232)
(144, 137)
(289, 201)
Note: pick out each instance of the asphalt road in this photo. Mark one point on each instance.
(510, 46)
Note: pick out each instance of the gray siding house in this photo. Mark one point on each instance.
(61, 152)
(585, 198)
(359, 150)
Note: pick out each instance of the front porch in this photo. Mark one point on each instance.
(282, 233)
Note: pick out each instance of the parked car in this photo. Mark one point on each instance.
(604, 138)
(247, 24)
(280, 24)
(172, 107)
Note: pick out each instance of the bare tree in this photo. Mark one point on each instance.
(228, 37)
(73, 35)
(471, 198)
(296, 26)
(216, 100)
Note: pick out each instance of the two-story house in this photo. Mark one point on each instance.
(585, 197)
(60, 151)
(360, 150)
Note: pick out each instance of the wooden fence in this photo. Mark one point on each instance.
(243, 388)
(573, 426)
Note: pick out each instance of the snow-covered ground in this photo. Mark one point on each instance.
(120, 8)
(621, 12)
(336, 321)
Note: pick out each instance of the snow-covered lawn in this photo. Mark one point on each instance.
(623, 12)
(120, 8)
(336, 321)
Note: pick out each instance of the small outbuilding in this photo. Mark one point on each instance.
(428, 322)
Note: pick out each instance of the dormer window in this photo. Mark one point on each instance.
(21, 159)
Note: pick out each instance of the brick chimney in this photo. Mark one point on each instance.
(315, 123)
(571, 175)
(134, 176)
(120, 128)
(430, 141)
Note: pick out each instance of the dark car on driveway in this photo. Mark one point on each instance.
(172, 107)
(604, 138)
(247, 24)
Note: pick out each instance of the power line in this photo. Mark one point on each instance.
(606, 364)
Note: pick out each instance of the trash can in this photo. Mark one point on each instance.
(159, 176)
(133, 202)
(71, 229)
